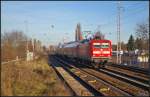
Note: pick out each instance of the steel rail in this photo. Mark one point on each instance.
(116, 89)
(133, 68)
(129, 80)
(64, 81)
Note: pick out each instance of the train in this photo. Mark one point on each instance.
(95, 51)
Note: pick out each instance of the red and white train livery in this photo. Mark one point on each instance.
(97, 51)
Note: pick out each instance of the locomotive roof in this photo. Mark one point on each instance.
(101, 39)
(76, 43)
(84, 41)
(71, 44)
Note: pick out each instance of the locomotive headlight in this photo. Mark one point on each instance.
(96, 52)
(106, 52)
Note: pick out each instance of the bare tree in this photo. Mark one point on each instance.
(13, 44)
(123, 46)
(142, 33)
(139, 43)
(114, 47)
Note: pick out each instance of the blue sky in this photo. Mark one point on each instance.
(65, 15)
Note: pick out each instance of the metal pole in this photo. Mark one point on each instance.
(33, 47)
(118, 35)
(26, 31)
(117, 31)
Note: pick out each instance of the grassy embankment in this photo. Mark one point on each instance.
(35, 78)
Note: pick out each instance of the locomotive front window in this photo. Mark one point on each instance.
(97, 46)
(103, 45)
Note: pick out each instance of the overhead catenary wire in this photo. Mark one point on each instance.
(133, 5)
(138, 10)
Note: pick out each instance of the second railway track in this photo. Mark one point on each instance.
(99, 85)
(130, 74)
(131, 68)
(133, 84)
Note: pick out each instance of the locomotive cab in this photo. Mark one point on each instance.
(100, 51)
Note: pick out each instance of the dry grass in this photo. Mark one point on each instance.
(34, 78)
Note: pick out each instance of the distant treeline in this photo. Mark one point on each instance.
(15, 44)
(139, 41)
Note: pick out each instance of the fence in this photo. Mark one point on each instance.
(133, 60)
(13, 60)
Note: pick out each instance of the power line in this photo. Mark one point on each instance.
(126, 16)
(136, 11)
(134, 4)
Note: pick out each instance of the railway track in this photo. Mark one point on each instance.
(129, 74)
(99, 85)
(131, 68)
(128, 79)
(67, 86)
(143, 77)
(134, 83)
(139, 82)
(91, 89)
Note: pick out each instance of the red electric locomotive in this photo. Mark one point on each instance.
(94, 51)
(100, 51)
